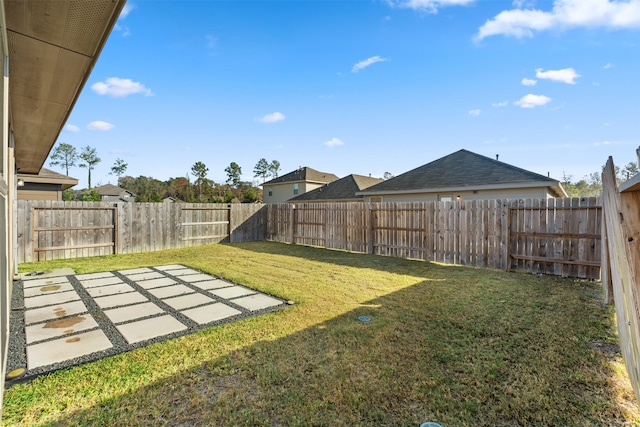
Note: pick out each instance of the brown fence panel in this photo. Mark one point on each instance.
(622, 224)
(560, 237)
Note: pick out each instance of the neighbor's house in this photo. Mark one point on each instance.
(464, 175)
(45, 185)
(342, 190)
(293, 184)
(113, 193)
(48, 50)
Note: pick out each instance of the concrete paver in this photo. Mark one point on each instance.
(43, 300)
(47, 289)
(187, 301)
(197, 278)
(90, 276)
(120, 299)
(210, 313)
(156, 283)
(131, 312)
(171, 291)
(59, 327)
(212, 284)
(135, 271)
(232, 292)
(143, 330)
(170, 267)
(44, 282)
(182, 272)
(100, 291)
(66, 348)
(53, 312)
(257, 302)
(145, 276)
(92, 283)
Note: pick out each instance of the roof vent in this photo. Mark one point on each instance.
(497, 156)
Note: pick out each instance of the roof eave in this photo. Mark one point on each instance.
(555, 185)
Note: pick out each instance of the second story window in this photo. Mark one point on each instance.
(295, 189)
(270, 191)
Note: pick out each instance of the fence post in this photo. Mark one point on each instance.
(369, 225)
(293, 223)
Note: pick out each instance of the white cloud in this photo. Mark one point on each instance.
(532, 101)
(366, 63)
(119, 88)
(567, 75)
(72, 128)
(565, 14)
(430, 6)
(272, 118)
(500, 104)
(333, 142)
(212, 41)
(126, 10)
(475, 112)
(529, 82)
(609, 65)
(100, 125)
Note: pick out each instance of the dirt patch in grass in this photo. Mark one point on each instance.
(456, 345)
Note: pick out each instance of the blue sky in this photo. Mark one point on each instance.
(362, 87)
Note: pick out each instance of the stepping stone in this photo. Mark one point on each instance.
(100, 291)
(156, 283)
(169, 267)
(196, 278)
(58, 298)
(210, 313)
(101, 282)
(171, 291)
(135, 271)
(187, 301)
(120, 299)
(59, 327)
(257, 302)
(94, 275)
(182, 272)
(54, 312)
(212, 284)
(146, 276)
(66, 348)
(147, 329)
(47, 289)
(44, 282)
(131, 312)
(232, 292)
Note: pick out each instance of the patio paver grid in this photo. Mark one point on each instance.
(63, 321)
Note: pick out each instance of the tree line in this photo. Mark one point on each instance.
(591, 185)
(149, 189)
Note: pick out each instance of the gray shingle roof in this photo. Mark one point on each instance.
(342, 189)
(110, 190)
(460, 169)
(304, 174)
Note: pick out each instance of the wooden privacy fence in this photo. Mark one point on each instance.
(621, 263)
(51, 230)
(550, 236)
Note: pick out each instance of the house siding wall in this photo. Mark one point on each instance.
(283, 192)
(51, 194)
(511, 193)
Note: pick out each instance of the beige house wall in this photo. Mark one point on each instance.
(511, 193)
(39, 195)
(283, 192)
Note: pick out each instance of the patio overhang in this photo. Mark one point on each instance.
(53, 46)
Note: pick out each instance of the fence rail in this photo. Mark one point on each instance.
(52, 230)
(551, 236)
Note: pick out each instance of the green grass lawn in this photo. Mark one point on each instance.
(456, 345)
